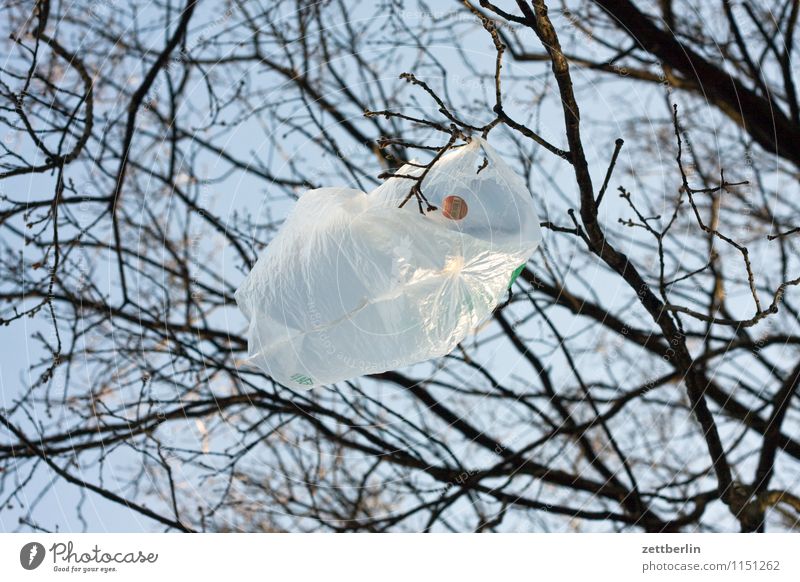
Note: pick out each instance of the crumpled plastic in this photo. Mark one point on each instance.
(353, 285)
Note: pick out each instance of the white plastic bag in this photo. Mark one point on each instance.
(354, 285)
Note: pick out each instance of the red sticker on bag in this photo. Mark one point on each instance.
(454, 207)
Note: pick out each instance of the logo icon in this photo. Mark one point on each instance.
(31, 555)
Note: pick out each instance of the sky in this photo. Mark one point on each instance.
(59, 499)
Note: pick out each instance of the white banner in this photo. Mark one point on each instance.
(399, 557)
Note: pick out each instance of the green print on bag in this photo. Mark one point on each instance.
(302, 379)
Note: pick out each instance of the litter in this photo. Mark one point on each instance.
(353, 285)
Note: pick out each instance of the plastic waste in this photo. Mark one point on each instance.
(353, 285)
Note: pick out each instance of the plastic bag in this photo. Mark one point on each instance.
(354, 285)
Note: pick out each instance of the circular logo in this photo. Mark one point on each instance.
(31, 555)
(454, 207)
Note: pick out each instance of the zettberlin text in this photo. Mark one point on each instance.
(667, 549)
